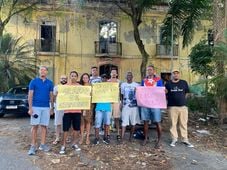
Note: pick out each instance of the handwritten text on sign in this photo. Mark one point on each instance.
(105, 92)
(73, 97)
(151, 97)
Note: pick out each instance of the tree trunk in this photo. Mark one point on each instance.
(219, 22)
(139, 42)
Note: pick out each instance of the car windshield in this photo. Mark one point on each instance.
(19, 90)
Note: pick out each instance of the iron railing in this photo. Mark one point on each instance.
(165, 50)
(108, 48)
(47, 45)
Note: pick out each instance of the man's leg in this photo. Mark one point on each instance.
(134, 119)
(88, 129)
(132, 132)
(156, 118)
(125, 120)
(145, 132)
(34, 134)
(98, 123)
(82, 130)
(183, 121)
(159, 133)
(145, 116)
(76, 123)
(173, 117)
(43, 134)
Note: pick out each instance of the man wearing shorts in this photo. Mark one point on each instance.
(130, 114)
(102, 116)
(40, 97)
(58, 113)
(151, 114)
(71, 118)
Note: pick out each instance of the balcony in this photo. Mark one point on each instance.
(47, 46)
(164, 51)
(108, 49)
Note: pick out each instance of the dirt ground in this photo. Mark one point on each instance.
(210, 151)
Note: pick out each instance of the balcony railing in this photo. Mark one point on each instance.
(164, 51)
(47, 45)
(103, 48)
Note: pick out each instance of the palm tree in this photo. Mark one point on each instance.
(185, 15)
(17, 63)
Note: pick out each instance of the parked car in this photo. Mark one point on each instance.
(15, 101)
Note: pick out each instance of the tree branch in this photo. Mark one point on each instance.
(122, 9)
(11, 13)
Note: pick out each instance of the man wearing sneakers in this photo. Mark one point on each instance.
(71, 118)
(103, 114)
(176, 90)
(40, 97)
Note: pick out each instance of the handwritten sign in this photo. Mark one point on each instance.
(73, 97)
(105, 92)
(151, 97)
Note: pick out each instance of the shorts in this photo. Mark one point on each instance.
(43, 116)
(86, 116)
(102, 117)
(71, 119)
(152, 114)
(130, 116)
(116, 110)
(58, 117)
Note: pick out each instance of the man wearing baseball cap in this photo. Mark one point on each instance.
(178, 112)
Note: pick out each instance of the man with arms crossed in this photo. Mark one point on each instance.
(40, 97)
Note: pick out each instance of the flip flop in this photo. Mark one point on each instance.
(56, 142)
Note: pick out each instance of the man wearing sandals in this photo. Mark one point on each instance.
(130, 114)
(116, 106)
(58, 113)
(151, 114)
(178, 112)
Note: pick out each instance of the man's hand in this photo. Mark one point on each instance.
(30, 112)
(51, 111)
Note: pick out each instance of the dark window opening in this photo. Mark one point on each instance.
(48, 38)
(106, 69)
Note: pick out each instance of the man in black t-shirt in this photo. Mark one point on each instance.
(176, 97)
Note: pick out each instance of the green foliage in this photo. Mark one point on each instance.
(203, 104)
(186, 15)
(201, 59)
(17, 64)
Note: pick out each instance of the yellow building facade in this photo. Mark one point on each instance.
(77, 38)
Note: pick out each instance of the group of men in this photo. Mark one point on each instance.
(41, 105)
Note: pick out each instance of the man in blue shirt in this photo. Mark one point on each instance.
(40, 97)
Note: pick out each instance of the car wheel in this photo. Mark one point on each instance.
(1, 115)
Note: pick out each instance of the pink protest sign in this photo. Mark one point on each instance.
(151, 97)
